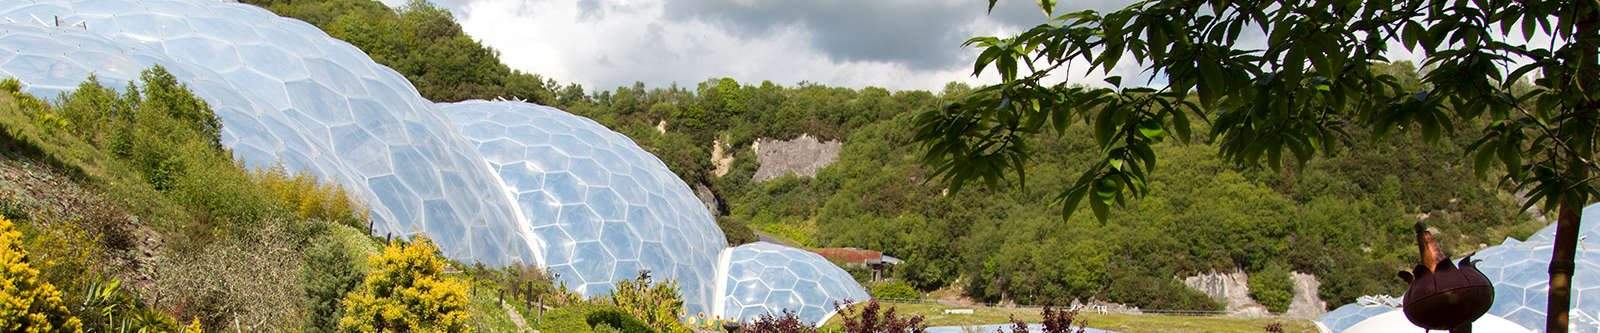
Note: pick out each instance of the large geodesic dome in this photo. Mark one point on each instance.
(491, 182)
(603, 207)
(765, 278)
(1519, 271)
(287, 94)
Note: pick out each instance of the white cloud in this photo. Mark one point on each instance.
(630, 41)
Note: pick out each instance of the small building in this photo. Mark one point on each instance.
(854, 257)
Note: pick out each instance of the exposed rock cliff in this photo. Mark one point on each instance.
(1230, 289)
(803, 156)
(1306, 303)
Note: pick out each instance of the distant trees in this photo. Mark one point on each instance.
(407, 291)
(422, 42)
(27, 303)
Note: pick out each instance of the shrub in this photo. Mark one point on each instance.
(1056, 320)
(872, 318)
(591, 317)
(1271, 287)
(407, 291)
(619, 320)
(893, 289)
(28, 304)
(788, 322)
(657, 304)
(328, 275)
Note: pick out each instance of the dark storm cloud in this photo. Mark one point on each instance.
(922, 34)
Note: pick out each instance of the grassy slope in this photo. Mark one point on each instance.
(1123, 323)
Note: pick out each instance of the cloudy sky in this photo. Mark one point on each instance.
(897, 44)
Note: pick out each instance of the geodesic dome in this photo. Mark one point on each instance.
(765, 278)
(287, 94)
(1519, 271)
(515, 182)
(604, 208)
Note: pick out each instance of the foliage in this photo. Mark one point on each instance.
(1273, 288)
(657, 304)
(108, 307)
(1056, 320)
(310, 199)
(329, 274)
(585, 317)
(872, 318)
(787, 322)
(1311, 90)
(893, 289)
(209, 284)
(619, 320)
(407, 291)
(28, 304)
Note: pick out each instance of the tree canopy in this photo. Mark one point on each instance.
(1299, 95)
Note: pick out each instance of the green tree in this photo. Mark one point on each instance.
(1295, 98)
(407, 291)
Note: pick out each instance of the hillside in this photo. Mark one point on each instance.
(128, 206)
(1003, 243)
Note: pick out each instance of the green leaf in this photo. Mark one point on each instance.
(1151, 129)
(1115, 81)
(1482, 160)
(1048, 6)
(991, 5)
(1511, 154)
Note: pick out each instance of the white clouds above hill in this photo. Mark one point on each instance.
(900, 44)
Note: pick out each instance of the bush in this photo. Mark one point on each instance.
(617, 319)
(786, 323)
(28, 304)
(893, 289)
(407, 291)
(872, 318)
(1271, 287)
(329, 274)
(657, 304)
(591, 317)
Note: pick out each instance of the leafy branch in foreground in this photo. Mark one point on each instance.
(1316, 77)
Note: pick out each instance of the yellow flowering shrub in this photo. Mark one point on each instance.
(27, 303)
(407, 292)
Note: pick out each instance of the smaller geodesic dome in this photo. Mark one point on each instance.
(602, 208)
(765, 278)
(1519, 271)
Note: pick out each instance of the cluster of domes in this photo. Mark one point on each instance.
(491, 182)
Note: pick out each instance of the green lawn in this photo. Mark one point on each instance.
(1125, 323)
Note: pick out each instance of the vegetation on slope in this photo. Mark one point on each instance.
(1344, 218)
(127, 204)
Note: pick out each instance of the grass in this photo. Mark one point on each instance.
(1124, 323)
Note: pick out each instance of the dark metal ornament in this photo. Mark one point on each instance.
(1448, 298)
(1442, 295)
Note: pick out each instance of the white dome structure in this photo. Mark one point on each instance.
(491, 182)
(1394, 321)
(603, 208)
(288, 94)
(766, 279)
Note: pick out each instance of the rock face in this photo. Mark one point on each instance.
(721, 159)
(1306, 303)
(1231, 289)
(708, 198)
(803, 156)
